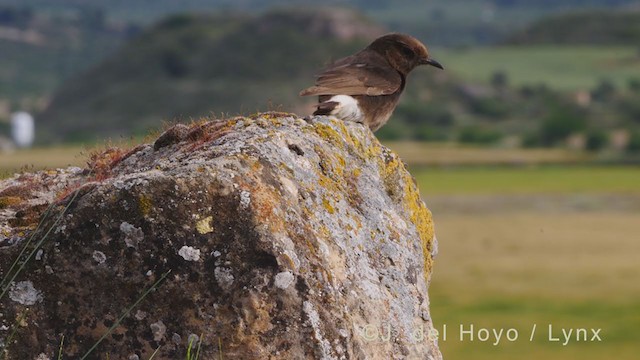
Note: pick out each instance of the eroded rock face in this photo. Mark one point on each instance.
(286, 239)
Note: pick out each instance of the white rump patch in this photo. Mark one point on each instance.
(347, 108)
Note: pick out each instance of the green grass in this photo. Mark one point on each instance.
(528, 180)
(566, 68)
(619, 329)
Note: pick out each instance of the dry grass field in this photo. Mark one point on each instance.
(516, 269)
(419, 154)
(41, 158)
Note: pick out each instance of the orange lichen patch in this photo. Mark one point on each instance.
(263, 199)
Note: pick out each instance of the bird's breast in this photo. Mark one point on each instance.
(377, 110)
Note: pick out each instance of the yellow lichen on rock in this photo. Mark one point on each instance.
(144, 204)
(204, 226)
(327, 205)
(398, 181)
(420, 216)
(327, 132)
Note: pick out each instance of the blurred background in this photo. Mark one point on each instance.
(526, 148)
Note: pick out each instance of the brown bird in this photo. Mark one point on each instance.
(365, 87)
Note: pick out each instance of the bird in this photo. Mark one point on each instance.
(366, 86)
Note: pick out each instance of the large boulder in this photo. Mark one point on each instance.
(269, 237)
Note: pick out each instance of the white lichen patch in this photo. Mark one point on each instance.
(314, 320)
(204, 226)
(158, 329)
(245, 199)
(132, 234)
(283, 280)
(24, 293)
(99, 257)
(224, 277)
(140, 315)
(189, 253)
(60, 229)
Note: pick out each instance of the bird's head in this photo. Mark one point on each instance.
(403, 52)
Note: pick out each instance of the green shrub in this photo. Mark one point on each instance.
(561, 122)
(630, 107)
(605, 90)
(424, 113)
(430, 133)
(596, 140)
(490, 107)
(531, 140)
(634, 85)
(394, 130)
(499, 80)
(634, 142)
(477, 135)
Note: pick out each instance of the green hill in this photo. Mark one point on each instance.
(587, 28)
(189, 66)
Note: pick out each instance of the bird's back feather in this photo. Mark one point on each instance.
(364, 73)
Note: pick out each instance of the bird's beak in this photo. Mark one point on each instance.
(432, 62)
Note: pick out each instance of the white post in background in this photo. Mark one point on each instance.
(22, 129)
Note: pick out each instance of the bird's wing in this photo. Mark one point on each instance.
(349, 76)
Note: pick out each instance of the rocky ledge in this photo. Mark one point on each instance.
(268, 237)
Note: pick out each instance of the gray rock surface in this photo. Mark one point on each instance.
(286, 238)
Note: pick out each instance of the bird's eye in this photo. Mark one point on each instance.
(407, 52)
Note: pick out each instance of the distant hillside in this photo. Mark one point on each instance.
(443, 22)
(589, 28)
(44, 42)
(188, 66)
(38, 52)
